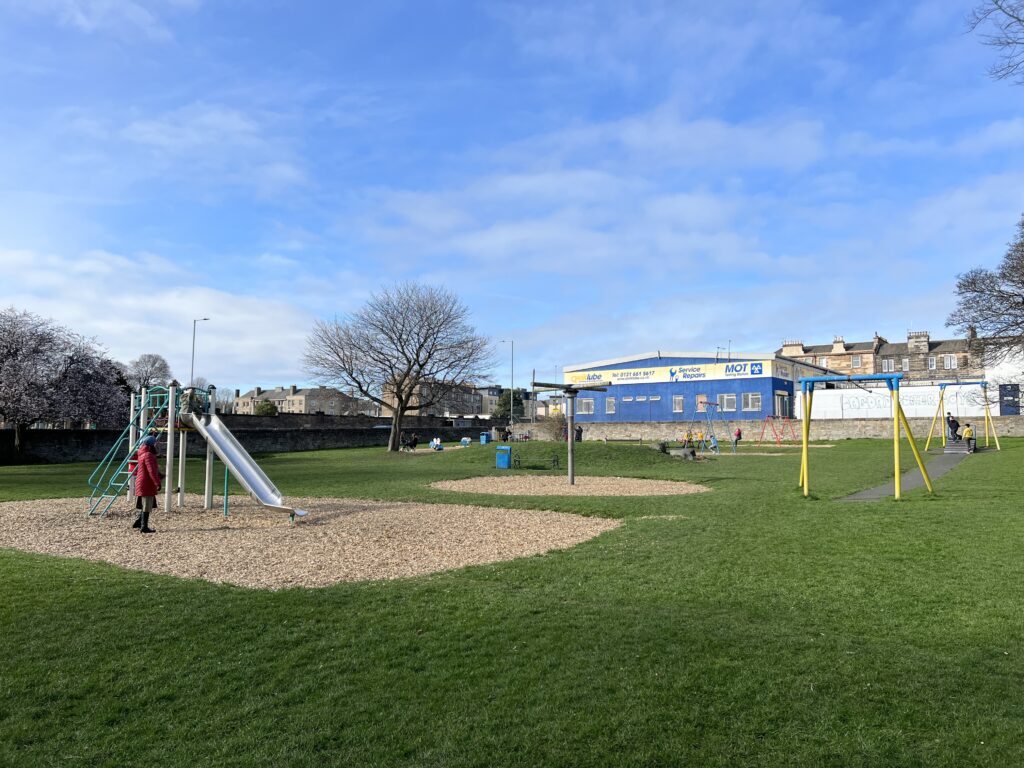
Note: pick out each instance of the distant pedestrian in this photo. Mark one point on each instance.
(147, 482)
(714, 445)
(972, 444)
(579, 434)
(954, 428)
(736, 437)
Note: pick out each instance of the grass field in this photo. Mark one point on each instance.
(760, 629)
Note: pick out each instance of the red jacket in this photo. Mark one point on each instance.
(147, 473)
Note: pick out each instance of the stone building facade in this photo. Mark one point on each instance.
(920, 358)
(328, 400)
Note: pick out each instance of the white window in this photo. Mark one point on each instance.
(641, 398)
(855, 361)
(906, 364)
(931, 363)
(823, 362)
(585, 405)
(727, 402)
(751, 401)
(609, 405)
(628, 399)
(677, 403)
(888, 365)
(949, 362)
(655, 397)
(702, 403)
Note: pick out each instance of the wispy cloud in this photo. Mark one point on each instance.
(121, 17)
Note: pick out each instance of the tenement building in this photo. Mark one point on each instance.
(294, 399)
(920, 358)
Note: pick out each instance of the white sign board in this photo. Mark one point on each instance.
(876, 402)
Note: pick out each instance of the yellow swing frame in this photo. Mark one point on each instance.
(938, 420)
(892, 381)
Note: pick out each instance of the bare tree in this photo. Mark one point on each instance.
(408, 347)
(1003, 21)
(49, 373)
(147, 371)
(992, 303)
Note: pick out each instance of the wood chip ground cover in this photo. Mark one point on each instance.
(340, 540)
(558, 485)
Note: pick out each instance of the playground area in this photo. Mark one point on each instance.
(340, 540)
(886, 632)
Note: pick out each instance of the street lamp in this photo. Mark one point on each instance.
(192, 370)
(512, 390)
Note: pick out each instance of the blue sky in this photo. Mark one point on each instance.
(593, 178)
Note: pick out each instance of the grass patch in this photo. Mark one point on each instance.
(764, 629)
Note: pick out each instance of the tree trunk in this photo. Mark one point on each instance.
(19, 430)
(395, 437)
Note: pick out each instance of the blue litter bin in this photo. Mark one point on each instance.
(485, 438)
(503, 458)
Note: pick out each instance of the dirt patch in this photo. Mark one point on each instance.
(558, 485)
(340, 540)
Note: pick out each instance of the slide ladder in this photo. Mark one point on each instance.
(111, 476)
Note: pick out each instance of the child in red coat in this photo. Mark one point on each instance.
(147, 482)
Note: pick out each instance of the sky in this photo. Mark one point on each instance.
(594, 179)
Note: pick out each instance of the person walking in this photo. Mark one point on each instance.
(147, 481)
(972, 444)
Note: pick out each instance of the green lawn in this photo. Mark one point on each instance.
(764, 629)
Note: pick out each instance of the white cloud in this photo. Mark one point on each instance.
(122, 17)
(142, 303)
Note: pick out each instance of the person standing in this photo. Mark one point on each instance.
(736, 437)
(714, 445)
(954, 429)
(147, 481)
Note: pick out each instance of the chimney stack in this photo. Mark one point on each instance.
(258, 391)
(292, 389)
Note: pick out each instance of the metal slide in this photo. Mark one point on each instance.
(238, 461)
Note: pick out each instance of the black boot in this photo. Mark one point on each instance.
(145, 522)
(138, 521)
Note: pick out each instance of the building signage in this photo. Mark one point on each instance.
(681, 373)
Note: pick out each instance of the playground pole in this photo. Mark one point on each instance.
(913, 447)
(931, 429)
(895, 393)
(208, 487)
(181, 468)
(169, 468)
(808, 394)
(570, 435)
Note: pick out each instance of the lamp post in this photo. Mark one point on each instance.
(512, 389)
(192, 370)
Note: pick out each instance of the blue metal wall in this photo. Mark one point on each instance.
(661, 409)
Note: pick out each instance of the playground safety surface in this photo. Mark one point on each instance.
(340, 540)
(558, 485)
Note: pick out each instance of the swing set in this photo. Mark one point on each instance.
(938, 420)
(778, 433)
(710, 410)
(892, 381)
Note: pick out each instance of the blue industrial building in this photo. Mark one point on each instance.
(676, 386)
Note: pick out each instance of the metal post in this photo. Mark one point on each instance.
(211, 408)
(917, 454)
(172, 398)
(181, 469)
(133, 438)
(192, 369)
(570, 433)
(895, 393)
(226, 475)
(942, 407)
(805, 453)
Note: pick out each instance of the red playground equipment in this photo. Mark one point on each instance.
(778, 433)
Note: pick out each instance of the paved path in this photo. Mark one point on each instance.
(937, 467)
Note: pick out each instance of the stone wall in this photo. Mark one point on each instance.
(821, 429)
(62, 446)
